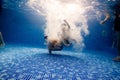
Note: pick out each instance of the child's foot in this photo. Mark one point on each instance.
(117, 59)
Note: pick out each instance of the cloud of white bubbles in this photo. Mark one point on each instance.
(75, 12)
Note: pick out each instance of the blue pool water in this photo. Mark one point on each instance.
(25, 56)
(30, 63)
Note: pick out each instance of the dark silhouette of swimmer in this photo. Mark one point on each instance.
(117, 29)
(1, 40)
(116, 11)
(0, 7)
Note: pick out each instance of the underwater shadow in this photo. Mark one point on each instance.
(58, 57)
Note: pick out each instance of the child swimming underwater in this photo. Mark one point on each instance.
(57, 44)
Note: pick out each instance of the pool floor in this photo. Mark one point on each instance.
(30, 63)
